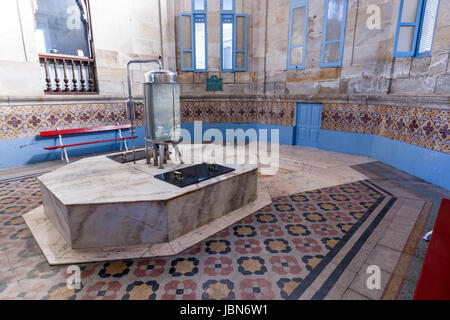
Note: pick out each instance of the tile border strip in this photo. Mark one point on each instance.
(427, 128)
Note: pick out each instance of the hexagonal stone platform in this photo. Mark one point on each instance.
(97, 203)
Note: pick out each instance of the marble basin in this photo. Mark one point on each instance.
(99, 203)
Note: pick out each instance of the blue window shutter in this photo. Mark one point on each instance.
(427, 28)
(398, 52)
(235, 49)
(340, 41)
(187, 65)
(290, 65)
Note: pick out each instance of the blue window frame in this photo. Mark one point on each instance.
(298, 30)
(233, 38)
(333, 34)
(415, 28)
(194, 37)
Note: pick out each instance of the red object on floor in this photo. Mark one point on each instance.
(434, 282)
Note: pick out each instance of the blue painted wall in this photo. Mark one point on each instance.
(423, 163)
(429, 165)
(347, 142)
(18, 152)
(286, 134)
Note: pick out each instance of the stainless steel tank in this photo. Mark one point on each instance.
(162, 107)
(161, 112)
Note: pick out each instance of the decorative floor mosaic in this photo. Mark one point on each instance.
(273, 254)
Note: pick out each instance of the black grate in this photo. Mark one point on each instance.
(194, 174)
(127, 157)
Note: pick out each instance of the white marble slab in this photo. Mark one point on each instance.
(98, 180)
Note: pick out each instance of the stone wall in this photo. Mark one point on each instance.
(146, 28)
(368, 64)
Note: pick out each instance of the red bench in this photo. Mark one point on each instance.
(434, 281)
(66, 132)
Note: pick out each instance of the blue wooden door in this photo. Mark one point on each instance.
(309, 119)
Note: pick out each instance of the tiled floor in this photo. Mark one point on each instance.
(332, 216)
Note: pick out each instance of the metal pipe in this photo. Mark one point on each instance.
(130, 102)
(161, 155)
(147, 155)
